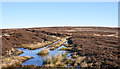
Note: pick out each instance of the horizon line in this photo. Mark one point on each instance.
(60, 26)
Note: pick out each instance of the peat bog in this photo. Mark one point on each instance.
(64, 47)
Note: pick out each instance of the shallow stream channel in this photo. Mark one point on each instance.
(38, 59)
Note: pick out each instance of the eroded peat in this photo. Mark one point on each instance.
(89, 47)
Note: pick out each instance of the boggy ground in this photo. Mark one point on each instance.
(18, 37)
(98, 44)
(13, 61)
(59, 43)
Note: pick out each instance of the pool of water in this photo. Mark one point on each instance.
(38, 59)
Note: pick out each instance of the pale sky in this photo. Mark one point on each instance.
(47, 14)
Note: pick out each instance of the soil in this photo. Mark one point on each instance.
(99, 44)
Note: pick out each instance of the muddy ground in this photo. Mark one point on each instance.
(99, 44)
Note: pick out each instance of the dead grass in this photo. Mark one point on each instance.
(68, 61)
(44, 51)
(63, 48)
(64, 54)
(56, 61)
(66, 44)
(18, 52)
(78, 60)
(111, 35)
(74, 56)
(35, 46)
(49, 61)
(61, 61)
(14, 51)
(84, 64)
(13, 61)
(58, 44)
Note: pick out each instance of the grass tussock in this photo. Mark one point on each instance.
(63, 48)
(18, 52)
(56, 61)
(74, 56)
(64, 55)
(62, 61)
(68, 61)
(13, 61)
(58, 44)
(35, 45)
(44, 51)
(14, 52)
(84, 64)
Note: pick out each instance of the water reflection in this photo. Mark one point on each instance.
(38, 59)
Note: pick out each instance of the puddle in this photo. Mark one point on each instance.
(38, 59)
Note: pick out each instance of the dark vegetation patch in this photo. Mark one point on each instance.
(101, 51)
